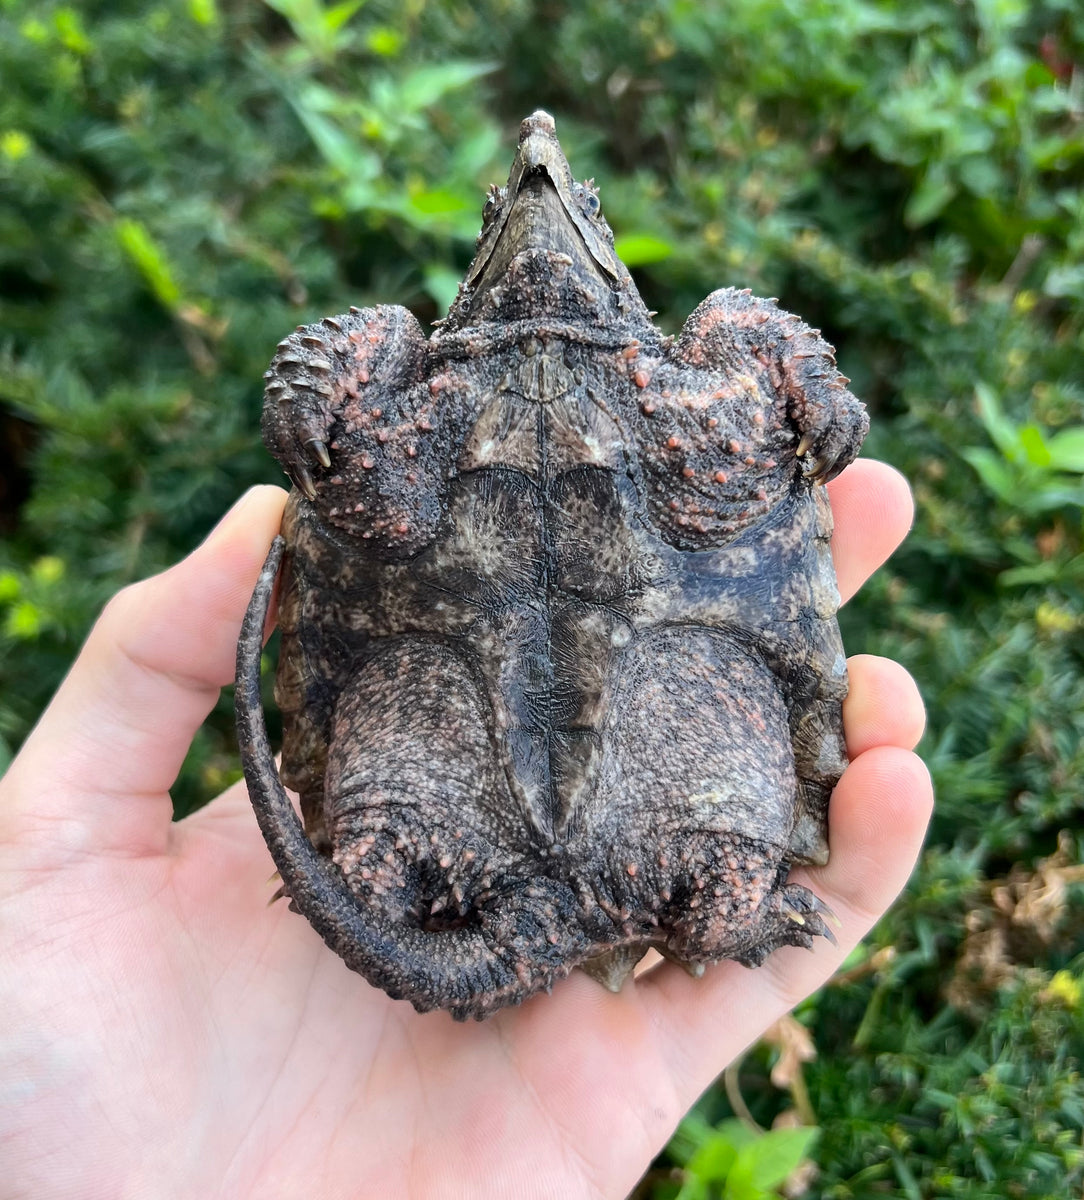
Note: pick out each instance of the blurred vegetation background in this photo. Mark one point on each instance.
(184, 181)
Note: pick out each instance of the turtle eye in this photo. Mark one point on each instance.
(492, 206)
(587, 195)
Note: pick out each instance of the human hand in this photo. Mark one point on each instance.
(167, 1034)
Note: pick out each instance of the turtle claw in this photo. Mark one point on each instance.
(823, 911)
(815, 916)
(319, 449)
(820, 469)
(827, 932)
(304, 481)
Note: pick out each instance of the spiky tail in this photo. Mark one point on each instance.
(471, 971)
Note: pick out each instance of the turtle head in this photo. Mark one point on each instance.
(545, 252)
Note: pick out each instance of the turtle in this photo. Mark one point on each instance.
(560, 673)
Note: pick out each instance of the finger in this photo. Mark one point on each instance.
(101, 761)
(883, 706)
(873, 509)
(878, 817)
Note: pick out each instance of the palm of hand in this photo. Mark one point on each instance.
(168, 1033)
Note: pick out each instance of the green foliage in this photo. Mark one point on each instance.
(1030, 468)
(934, 1107)
(183, 181)
(728, 1161)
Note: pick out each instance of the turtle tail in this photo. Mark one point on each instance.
(500, 958)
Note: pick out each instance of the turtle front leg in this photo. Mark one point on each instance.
(739, 332)
(323, 372)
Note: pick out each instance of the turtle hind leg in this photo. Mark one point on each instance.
(732, 900)
(791, 916)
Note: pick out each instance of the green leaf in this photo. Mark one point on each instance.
(1066, 449)
(69, 27)
(424, 86)
(47, 570)
(712, 1162)
(338, 15)
(14, 144)
(10, 587)
(769, 1161)
(441, 200)
(346, 154)
(1065, 279)
(136, 241)
(385, 41)
(203, 12)
(1001, 430)
(442, 283)
(634, 249)
(1034, 445)
(993, 470)
(23, 621)
(928, 199)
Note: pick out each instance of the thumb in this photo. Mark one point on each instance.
(96, 771)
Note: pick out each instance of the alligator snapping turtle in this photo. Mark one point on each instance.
(560, 674)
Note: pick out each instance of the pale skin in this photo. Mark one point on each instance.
(166, 1033)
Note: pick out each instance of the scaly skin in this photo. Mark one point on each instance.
(560, 673)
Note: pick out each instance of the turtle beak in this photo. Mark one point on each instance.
(540, 212)
(539, 150)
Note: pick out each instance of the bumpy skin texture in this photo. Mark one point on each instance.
(560, 675)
